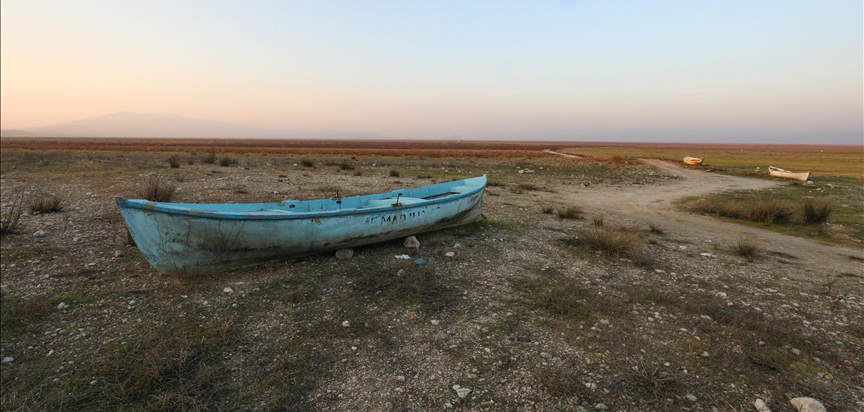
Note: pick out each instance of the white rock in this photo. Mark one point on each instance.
(344, 254)
(604, 321)
(449, 254)
(8, 359)
(601, 407)
(119, 253)
(795, 351)
(346, 324)
(691, 397)
(62, 305)
(761, 406)
(401, 378)
(132, 302)
(591, 385)
(227, 289)
(807, 405)
(705, 354)
(411, 242)
(434, 321)
(39, 233)
(462, 392)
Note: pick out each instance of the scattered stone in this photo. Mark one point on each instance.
(62, 305)
(448, 405)
(545, 355)
(462, 392)
(604, 321)
(39, 233)
(591, 385)
(346, 324)
(435, 321)
(449, 254)
(411, 243)
(795, 351)
(601, 407)
(691, 397)
(804, 404)
(8, 359)
(228, 289)
(344, 254)
(119, 253)
(400, 272)
(132, 302)
(761, 406)
(401, 378)
(705, 354)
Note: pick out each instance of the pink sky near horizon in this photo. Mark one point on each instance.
(418, 71)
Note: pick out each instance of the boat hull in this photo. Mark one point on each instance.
(185, 244)
(802, 176)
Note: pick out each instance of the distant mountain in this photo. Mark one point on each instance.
(126, 124)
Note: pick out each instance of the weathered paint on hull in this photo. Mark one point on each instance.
(183, 245)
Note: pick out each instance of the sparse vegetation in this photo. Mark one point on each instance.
(548, 209)
(46, 203)
(528, 186)
(307, 162)
(597, 221)
(209, 158)
(653, 228)
(394, 173)
(346, 165)
(156, 189)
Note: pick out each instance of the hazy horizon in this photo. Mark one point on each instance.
(757, 72)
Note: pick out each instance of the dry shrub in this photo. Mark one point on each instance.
(548, 209)
(307, 162)
(572, 212)
(346, 165)
(46, 203)
(227, 161)
(816, 211)
(10, 212)
(615, 242)
(209, 158)
(394, 173)
(770, 211)
(747, 247)
(173, 161)
(597, 221)
(156, 190)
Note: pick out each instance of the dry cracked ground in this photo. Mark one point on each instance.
(522, 315)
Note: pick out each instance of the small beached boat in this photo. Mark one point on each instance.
(186, 239)
(778, 172)
(693, 160)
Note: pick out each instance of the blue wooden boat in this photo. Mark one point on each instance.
(183, 239)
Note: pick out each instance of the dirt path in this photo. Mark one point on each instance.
(655, 204)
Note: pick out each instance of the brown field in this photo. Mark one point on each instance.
(583, 285)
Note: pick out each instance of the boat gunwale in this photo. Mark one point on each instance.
(289, 215)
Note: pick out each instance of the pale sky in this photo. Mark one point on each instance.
(442, 69)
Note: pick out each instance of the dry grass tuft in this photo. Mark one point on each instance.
(770, 211)
(46, 203)
(572, 212)
(548, 209)
(597, 221)
(225, 161)
(346, 165)
(816, 211)
(747, 247)
(614, 242)
(307, 162)
(528, 186)
(394, 173)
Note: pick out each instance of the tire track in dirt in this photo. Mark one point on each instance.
(655, 204)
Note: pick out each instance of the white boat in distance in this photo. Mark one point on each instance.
(778, 172)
